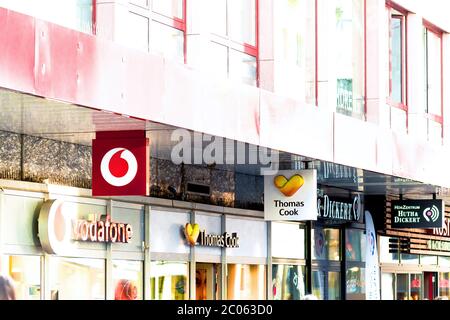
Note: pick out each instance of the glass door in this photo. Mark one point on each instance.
(416, 286)
(430, 285)
(402, 286)
(206, 281)
(326, 284)
(408, 286)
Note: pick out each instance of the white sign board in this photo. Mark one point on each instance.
(291, 195)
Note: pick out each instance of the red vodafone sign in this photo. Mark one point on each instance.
(120, 164)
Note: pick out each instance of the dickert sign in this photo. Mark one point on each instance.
(417, 214)
(120, 164)
(291, 195)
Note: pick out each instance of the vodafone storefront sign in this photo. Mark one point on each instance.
(54, 226)
(120, 164)
(102, 231)
(59, 228)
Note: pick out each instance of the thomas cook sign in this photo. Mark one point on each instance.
(291, 195)
(195, 236)
(421, 214)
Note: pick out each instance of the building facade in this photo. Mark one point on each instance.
(355, 89)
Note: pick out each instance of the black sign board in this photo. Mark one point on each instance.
(417, 214)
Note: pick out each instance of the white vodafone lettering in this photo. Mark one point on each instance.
(132, 167)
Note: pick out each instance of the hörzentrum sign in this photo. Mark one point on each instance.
(418, 214)
(291, 195)
(195, 236)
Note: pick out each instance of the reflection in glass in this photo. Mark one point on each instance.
(169, 280)
(407, 258)
(26, 273)
(77, 279)
(73, 14)
(416, 284)
(137, 31)
(318, 284)
(433, 85)
(128, 280)
(385, 255)
(283, 233)
(218, 60)
(242, 67)
(295, 44)
(387, 286)
(355, 245)
(246, 282)
(169, 8)
(349, 48)
(396, 59)
(325, 244)
(444, 261)
(217, 16)
(168, 41)
(288, 282)
(428, 260)
(398, 119)
(242, 26)
(207, 281)
(334, 285)
(402, 286)
(444, 284)
(355, 282)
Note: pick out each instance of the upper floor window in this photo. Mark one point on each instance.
(397, 90)
(233, 49)
(294, 49)
(348, 38)
(432, 39)
(158, 26)
(73, 14)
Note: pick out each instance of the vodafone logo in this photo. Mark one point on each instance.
(55, 226)
(120, 164)
(119, 167)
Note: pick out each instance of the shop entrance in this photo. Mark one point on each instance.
(409, 286)
(430, 285)
(326, 283)
(207, 282)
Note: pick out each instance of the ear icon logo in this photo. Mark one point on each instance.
(289, 187)
(192, 232)
(431, 214)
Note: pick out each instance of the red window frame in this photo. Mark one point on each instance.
(170, 21)
(174, 22)
(252, 50)
(402, 15)
(94, 17)
(316, 18)
(430, 27)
